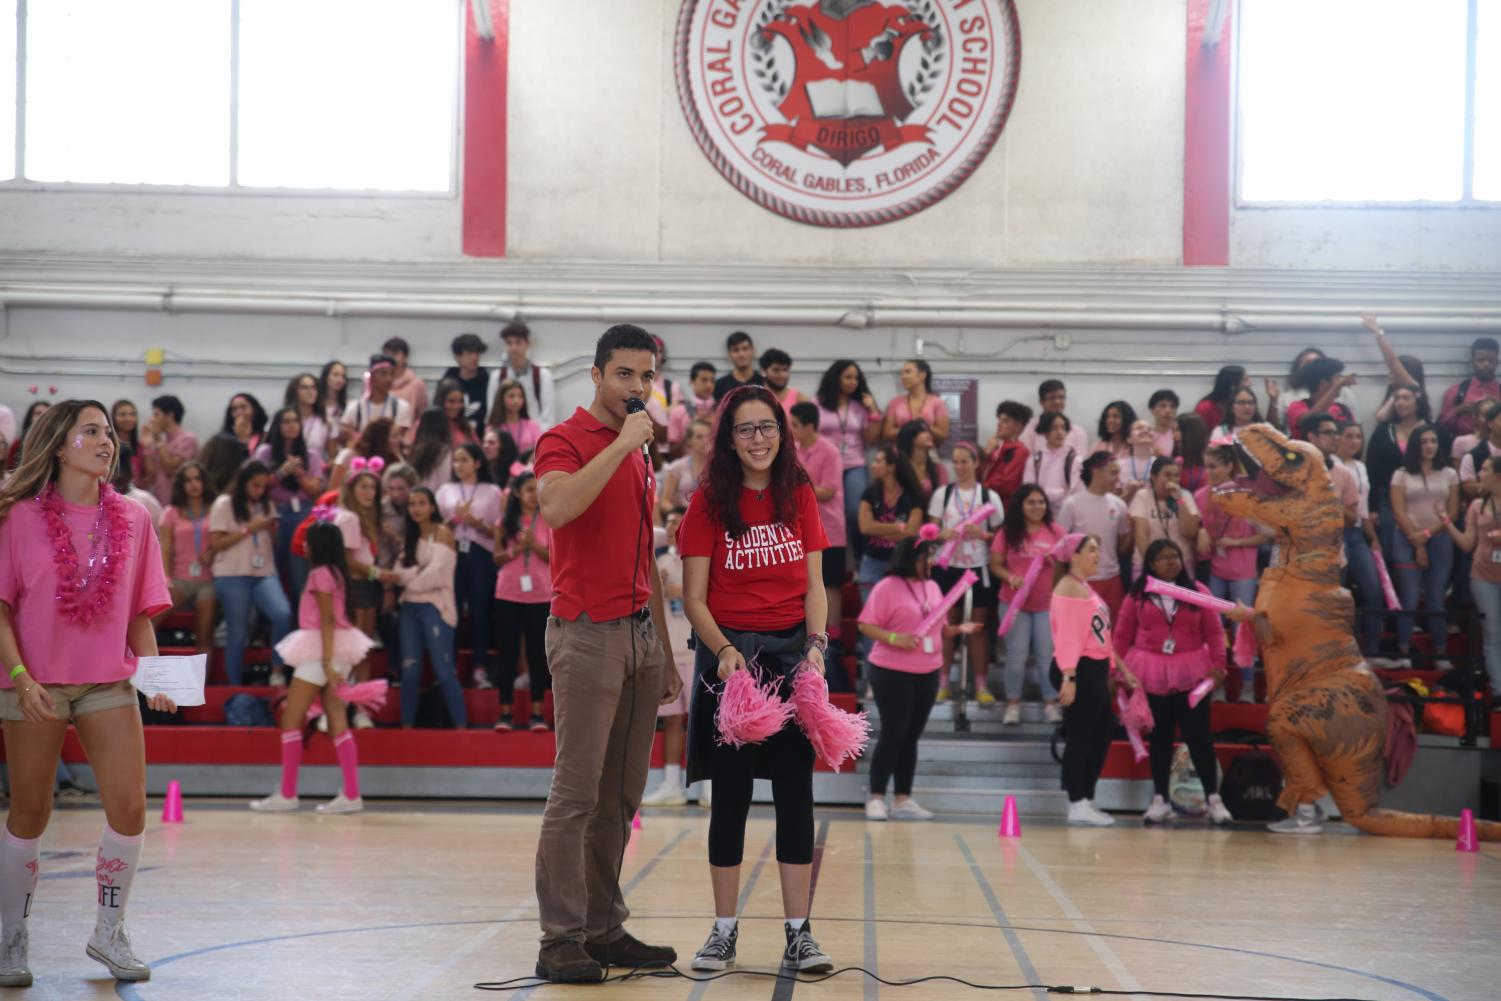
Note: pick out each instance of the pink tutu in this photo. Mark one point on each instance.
(1165, 673)
(304, 646)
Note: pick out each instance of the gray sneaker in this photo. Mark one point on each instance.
(14, 971)
(112, 948)
(803, 954)
(1306, 819)
(718, 953)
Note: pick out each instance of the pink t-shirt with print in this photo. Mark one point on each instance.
(897, 605)
(1019, 560)
(58, 652)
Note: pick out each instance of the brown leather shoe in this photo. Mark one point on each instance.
(568, 963)
(630, 953)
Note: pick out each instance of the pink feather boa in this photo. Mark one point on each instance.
(834, 733)
(367, 695)
(1136, 717)
(750, 710)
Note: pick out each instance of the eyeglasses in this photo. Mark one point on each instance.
(769, 430)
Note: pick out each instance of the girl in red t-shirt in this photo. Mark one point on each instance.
(752, 545)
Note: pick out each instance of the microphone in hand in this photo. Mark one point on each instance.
(639, 417)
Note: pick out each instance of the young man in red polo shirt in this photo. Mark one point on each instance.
(611, 663)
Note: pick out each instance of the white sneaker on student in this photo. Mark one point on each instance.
(1160, 812)
(910, 809)
(111, 946)
(706, 794)
(362, 720)
(1248, 694)
(342, 804)
(875, 809)
(1012, 715)
(15, 970)
(1219, 814)
(1304, 820)
(667, 794)
(1051, 713)
(1082, 813)
(275, 803)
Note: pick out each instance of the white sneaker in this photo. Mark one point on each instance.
(482, 680)
(1305, 820)
(1012, 715)
(910, 809)
(342, 804)
(1442, 665)
(111, 946)
(705, 794)
(875, 809)
(1248, 694)
(275, 803)
(1219, 815)
(1051, 713)
(14, 968)
(1401, 662)
(323, 722)
(666, 794)
(278, 678)
(1160, 812)
(1379, 663)
(362, 720)
(1083, 814)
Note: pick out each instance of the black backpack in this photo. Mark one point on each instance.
(1251, 787)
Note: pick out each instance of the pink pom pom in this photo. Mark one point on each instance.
(834, 733)
(749, 711)
(928, 532)
(1244, 648)
(376, 464)
(1136, 717)
(369, 695)
(517, 468)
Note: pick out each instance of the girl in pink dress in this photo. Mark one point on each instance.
(80, 578)
(321, 651)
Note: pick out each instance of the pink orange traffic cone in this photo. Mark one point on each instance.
(1468, 840)
(1011, 826)
(172, 808)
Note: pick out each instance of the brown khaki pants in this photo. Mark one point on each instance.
(604, 738)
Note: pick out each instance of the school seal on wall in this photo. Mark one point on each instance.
(847, 113)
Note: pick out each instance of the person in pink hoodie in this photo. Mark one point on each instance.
(1172, 646)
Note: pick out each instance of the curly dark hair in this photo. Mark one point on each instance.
(828, 387)
(1014, 527)
(725, 477)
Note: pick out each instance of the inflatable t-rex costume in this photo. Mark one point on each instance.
(1328, 711)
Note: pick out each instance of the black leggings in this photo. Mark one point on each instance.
(513, 622)
(904, 701)
(1168, 710)
(790, 759)
(1088, 726)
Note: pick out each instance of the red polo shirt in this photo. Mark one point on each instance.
(758, 581)
(592, 554)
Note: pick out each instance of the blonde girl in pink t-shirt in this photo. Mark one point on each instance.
(80, 579)
(322, 651)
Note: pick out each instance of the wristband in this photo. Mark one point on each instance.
(722, 650)
(891, 640)
(373, 574)
(820, 640)
(18, 669)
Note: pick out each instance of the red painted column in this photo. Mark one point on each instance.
(1206, 142)
(483, 186)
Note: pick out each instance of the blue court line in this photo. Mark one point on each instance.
(750, 884)
(1029, 972)
(782, 989)
(131, 992)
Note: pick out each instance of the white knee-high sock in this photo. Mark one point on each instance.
(115, 870)
(18, 876)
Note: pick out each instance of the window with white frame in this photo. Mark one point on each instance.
(328, 95)
(1369, 101)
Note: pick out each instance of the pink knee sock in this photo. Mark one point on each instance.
(349, 763)
(18, 875)
(291, 759)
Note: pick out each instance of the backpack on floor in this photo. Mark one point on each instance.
(1185, 790)
(247, 710)
(1251, 787)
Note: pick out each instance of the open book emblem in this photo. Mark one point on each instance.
(847, 95)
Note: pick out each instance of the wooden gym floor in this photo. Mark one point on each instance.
(420, 901)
